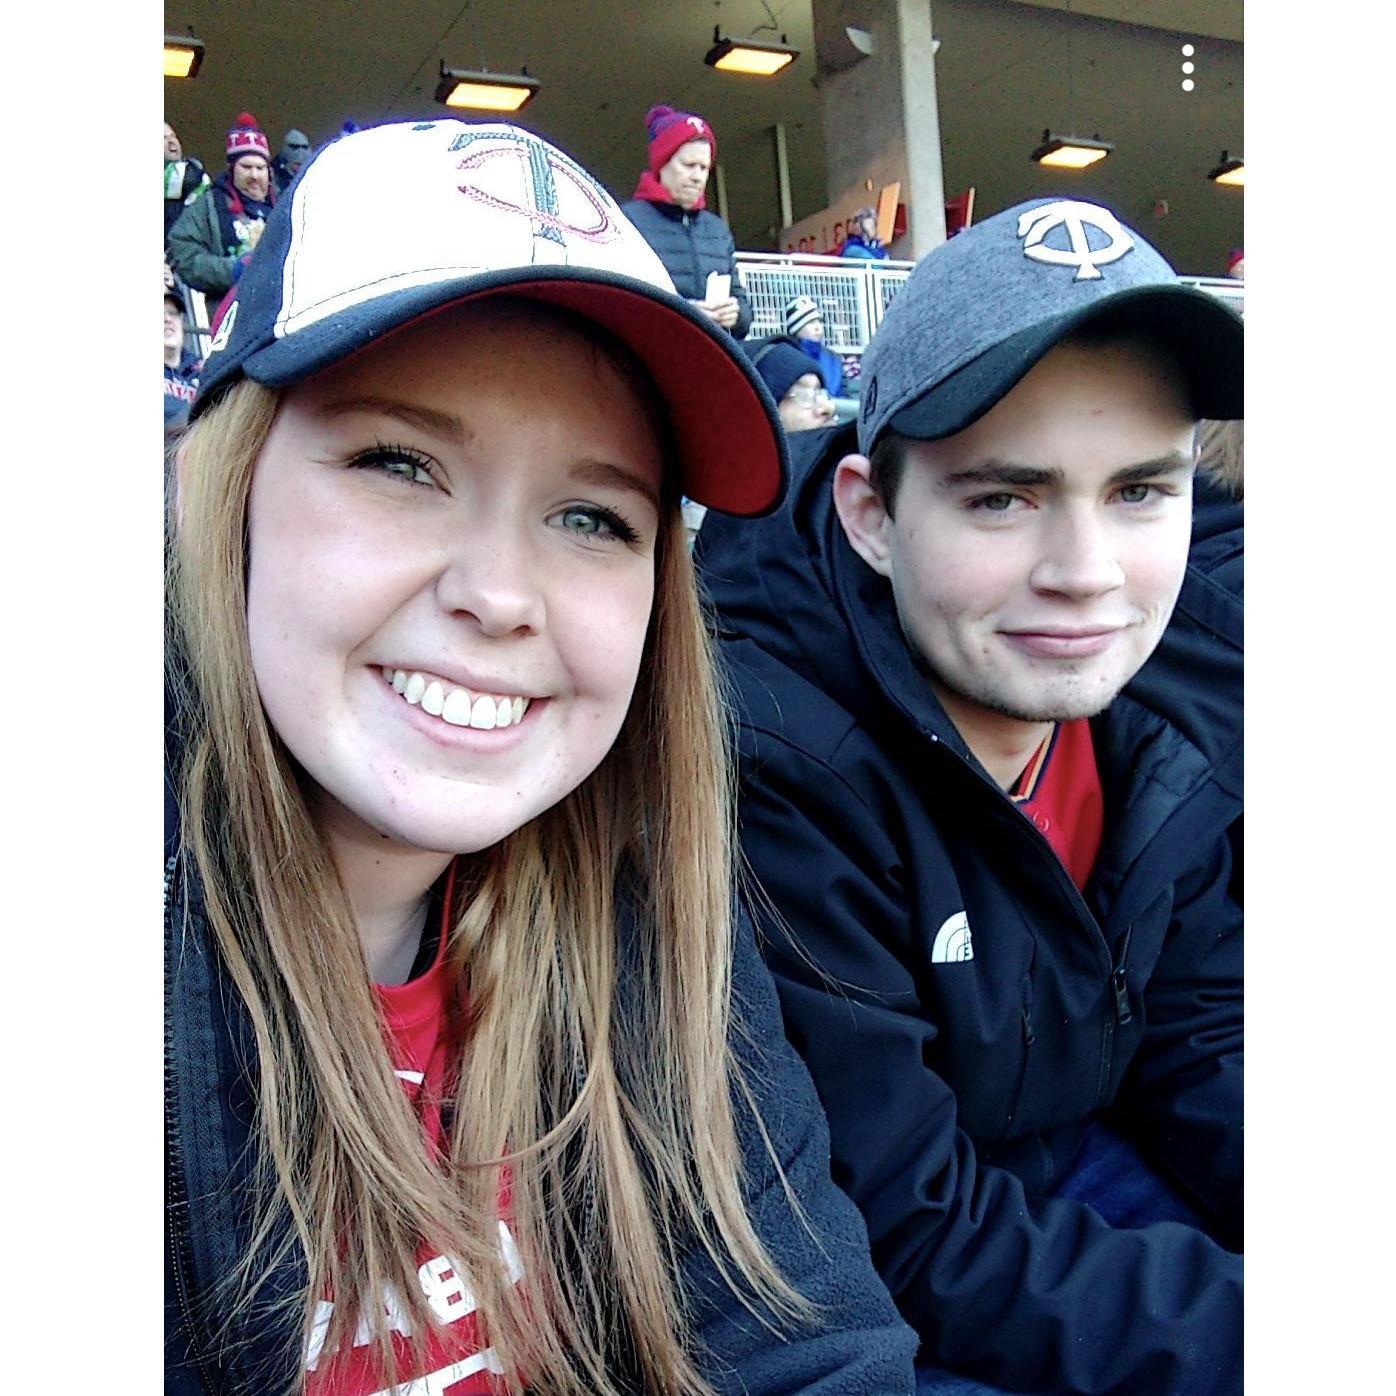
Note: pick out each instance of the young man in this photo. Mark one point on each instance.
(995, 827)
(181, 368)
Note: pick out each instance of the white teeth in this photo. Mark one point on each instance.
(458, 706)
(456, 709)
(482, 715)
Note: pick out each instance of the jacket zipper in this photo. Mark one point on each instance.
(177, 1204)
(1115, 979)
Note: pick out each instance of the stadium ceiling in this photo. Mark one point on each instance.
(317, 63)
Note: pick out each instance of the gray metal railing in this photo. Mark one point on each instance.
(854, 295)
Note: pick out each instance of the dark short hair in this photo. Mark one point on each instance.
(888, 456)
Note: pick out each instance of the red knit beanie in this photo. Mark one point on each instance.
(668, 129)
(246, 138)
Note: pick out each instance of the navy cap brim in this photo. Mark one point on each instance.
(731, 448)
(1203, 333)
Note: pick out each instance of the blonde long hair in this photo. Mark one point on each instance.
(618, 1129)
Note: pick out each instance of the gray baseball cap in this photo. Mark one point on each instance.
(980, 310)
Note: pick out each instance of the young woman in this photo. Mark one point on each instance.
(474, 1080)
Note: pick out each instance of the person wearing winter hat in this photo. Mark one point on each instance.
(991, 761)
(215, 235)
(294, 152)
(805, 324)
(667, 207)
(862, 239)
(801, 400)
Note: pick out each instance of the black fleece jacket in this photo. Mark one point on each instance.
(956, 1089)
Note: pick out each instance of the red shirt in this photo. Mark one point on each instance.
(1060, 792)
(420, 1042)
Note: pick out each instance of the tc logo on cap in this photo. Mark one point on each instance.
(1075, 217)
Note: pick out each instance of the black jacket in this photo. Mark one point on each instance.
(863, 1346)
(956, 1090)
(691, 244)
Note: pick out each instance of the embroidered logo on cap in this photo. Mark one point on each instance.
(953, 941)
(225, 330)
(540, 166)
(1075, 217)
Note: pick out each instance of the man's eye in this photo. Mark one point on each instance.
(995, 503)
(1135, 494)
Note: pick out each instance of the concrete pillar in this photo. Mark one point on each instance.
(881, 120)
(782, 173)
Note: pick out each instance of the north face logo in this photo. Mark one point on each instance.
(1075, 218)
(953, 941)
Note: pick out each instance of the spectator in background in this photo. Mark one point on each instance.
(215, 235)
(802, 400)
(1236, 264)
(805, 325)
(694, 244)
(862, 240)
(294, 152)
(181, 368)
(185, 179)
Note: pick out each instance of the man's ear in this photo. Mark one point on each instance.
(862, 513)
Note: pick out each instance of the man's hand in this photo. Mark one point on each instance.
(254, 233)
(723, 313)
(169, 277)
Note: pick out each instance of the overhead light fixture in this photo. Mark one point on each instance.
(505, 92)
(751, 56)
(1229, 171)
(183, 54)
(1070, 152)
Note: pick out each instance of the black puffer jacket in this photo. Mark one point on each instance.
(956, 1088)
(691, 244)
(861, 1346)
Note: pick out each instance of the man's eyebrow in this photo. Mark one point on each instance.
(604, 472)
(440, 424)
(1001, 472)
(1174, 463)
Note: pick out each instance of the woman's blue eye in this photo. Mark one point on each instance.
(594, 522)
(394, 460)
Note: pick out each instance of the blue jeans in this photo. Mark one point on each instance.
(1107, 1174)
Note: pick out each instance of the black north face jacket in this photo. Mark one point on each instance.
(956, 1088)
